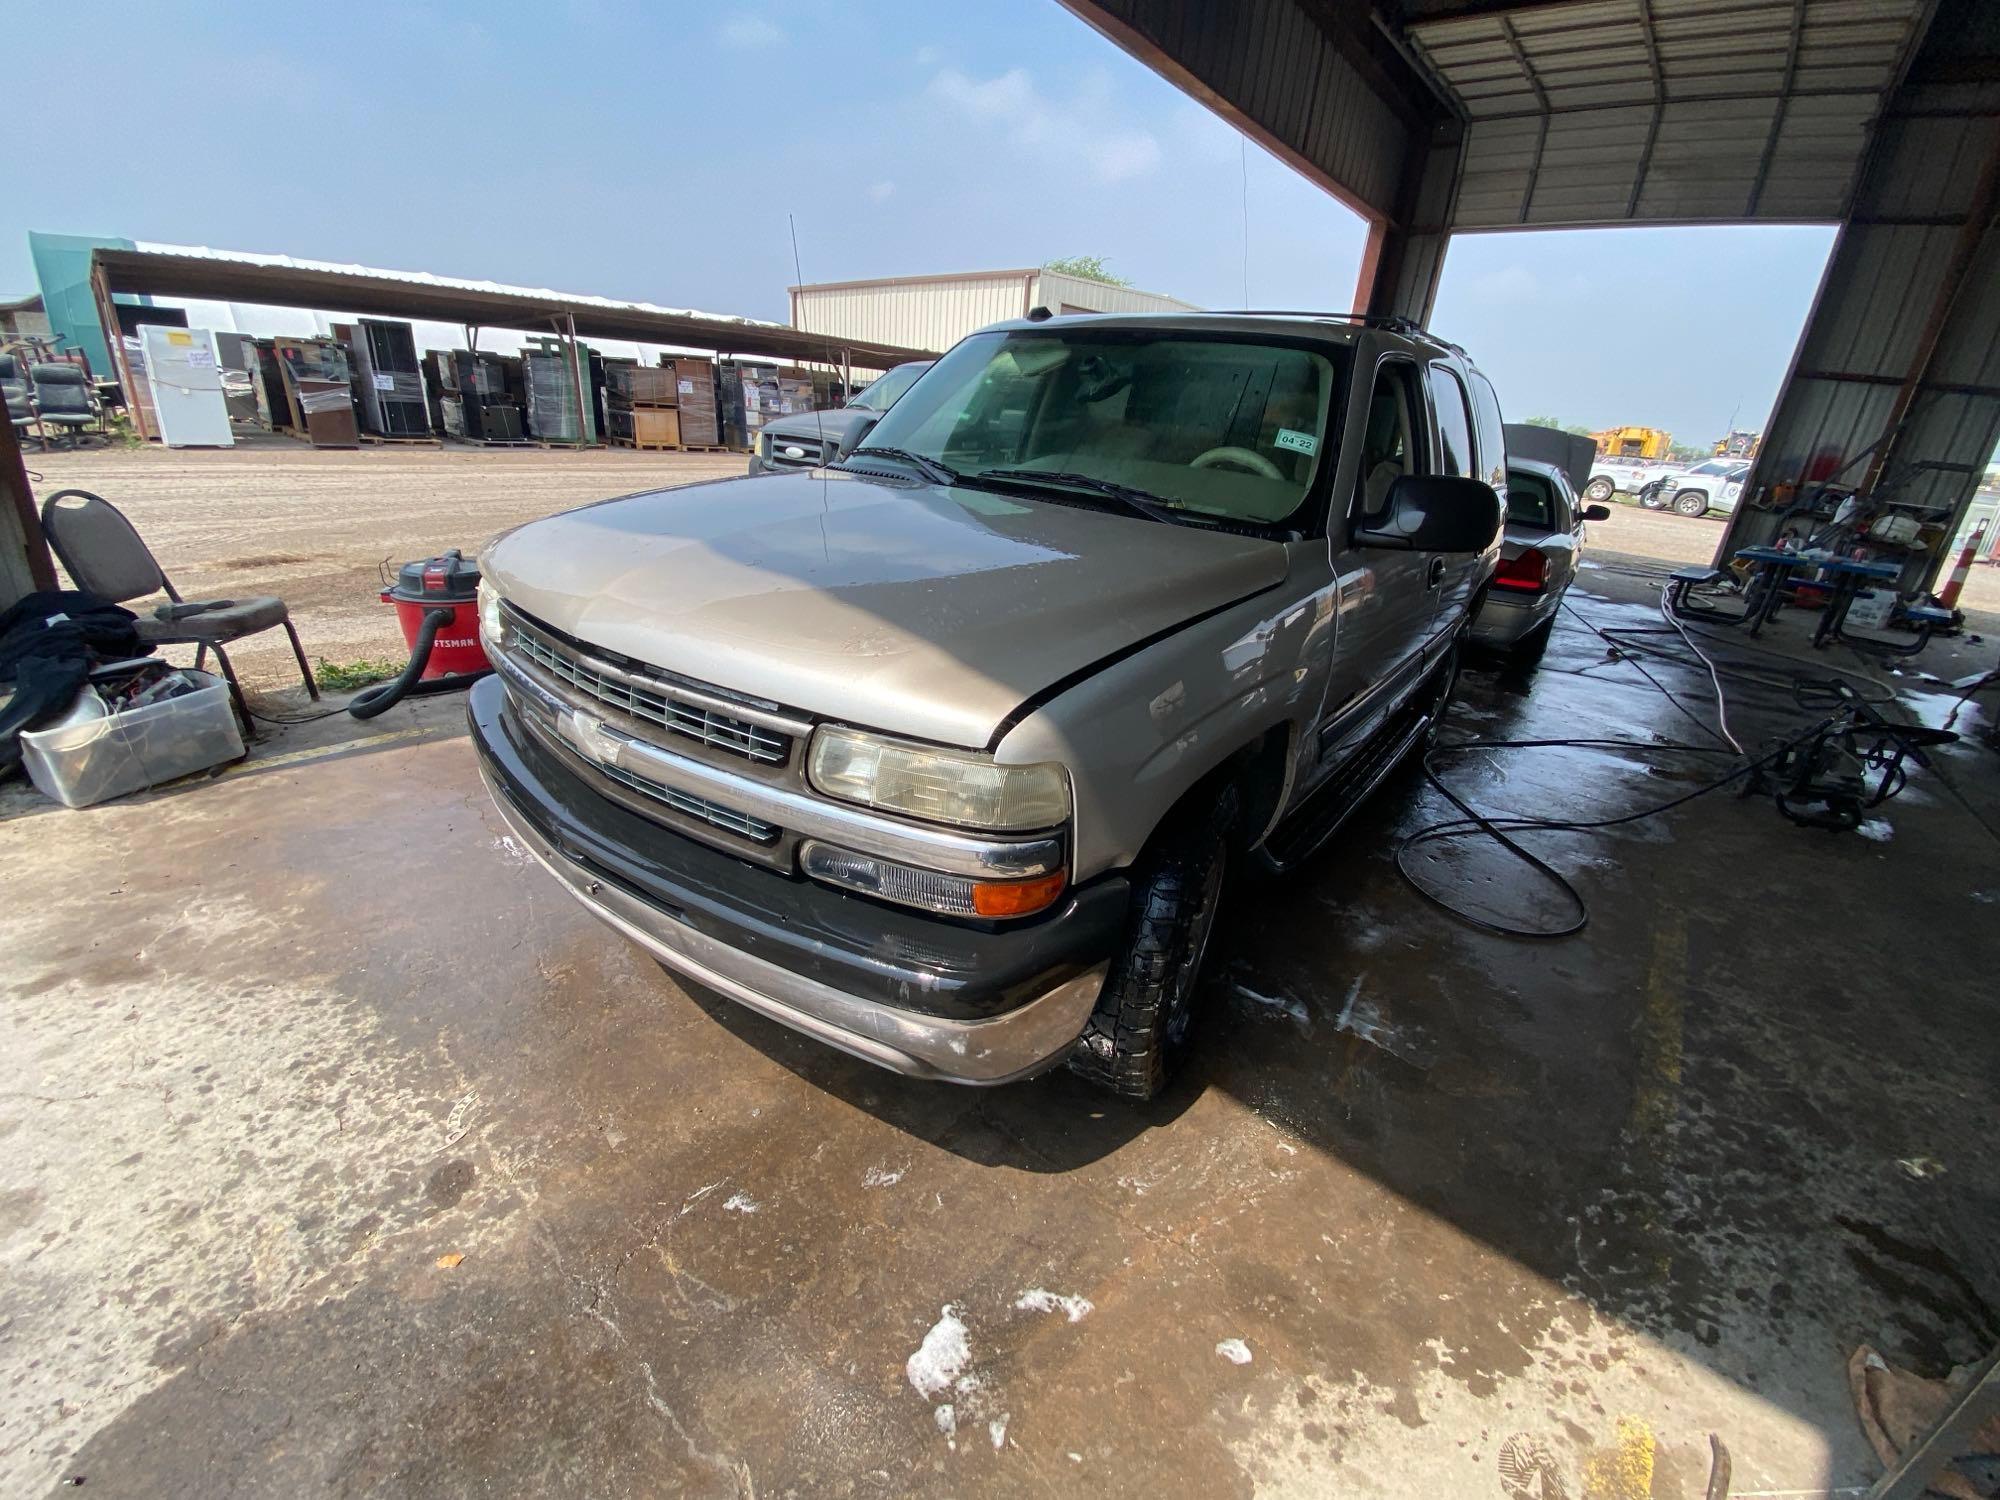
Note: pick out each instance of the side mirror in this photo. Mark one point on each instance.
(1597, 513)
(1436, 513)
(858, 436)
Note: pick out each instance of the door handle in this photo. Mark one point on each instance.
(1435, 575)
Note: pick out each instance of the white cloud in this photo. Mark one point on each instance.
(749, 32)
(878, 192)
(1085, 125)
(1132, 153)
(927, 56)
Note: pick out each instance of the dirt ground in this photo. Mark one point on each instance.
(316, 526)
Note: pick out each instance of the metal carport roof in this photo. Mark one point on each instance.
(280, 280)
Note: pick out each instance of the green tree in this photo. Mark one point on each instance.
(1557, 425)
(1089, 267)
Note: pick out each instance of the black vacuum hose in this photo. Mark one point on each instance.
(386, 695)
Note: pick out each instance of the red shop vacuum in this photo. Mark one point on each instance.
(437, 604)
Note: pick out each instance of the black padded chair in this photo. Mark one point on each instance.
(63, 398)
(104, 554)
(20, 406)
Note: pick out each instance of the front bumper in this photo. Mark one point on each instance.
(909, 992)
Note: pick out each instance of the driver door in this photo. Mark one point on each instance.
(1386, 606)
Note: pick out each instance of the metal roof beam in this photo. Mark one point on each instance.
(1778, 113)
(224, 280)
(1315, 82)
(1651, 35)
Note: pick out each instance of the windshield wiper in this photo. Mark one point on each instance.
(1138, 501)
(930, 468)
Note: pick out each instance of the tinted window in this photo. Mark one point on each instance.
(1391, 445)
(1491, 434)
(1454, 423)
(1227, 427)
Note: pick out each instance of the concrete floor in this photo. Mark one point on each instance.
(1436, 1213)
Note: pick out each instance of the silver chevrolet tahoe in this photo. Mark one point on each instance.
(939, 754)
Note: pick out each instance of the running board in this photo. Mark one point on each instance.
(1321, 815)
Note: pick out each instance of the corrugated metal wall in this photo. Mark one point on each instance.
(1673, 110)
(913, 314)
(1881, 291)
(1268, 63)
(1055, 291)
(936, 312)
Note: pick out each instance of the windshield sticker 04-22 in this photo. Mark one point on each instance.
(1298, 442)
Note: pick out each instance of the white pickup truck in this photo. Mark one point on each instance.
(1689, 490)
(1711, 485)
(1628, 474)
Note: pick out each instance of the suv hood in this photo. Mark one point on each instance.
(918, 610)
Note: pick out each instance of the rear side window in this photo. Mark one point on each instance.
(1492, 436)
(1454, 424)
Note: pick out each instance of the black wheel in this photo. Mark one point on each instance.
(1690, 503)
(1599, 490)
(1144, 1023)
(1529, 649)
(1442, 689)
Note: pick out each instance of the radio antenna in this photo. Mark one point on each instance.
(799, 311)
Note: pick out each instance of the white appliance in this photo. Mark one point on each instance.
(186, 382)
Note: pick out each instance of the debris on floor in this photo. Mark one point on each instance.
(1897, 1407)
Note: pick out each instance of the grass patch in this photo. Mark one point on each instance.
(345, 676)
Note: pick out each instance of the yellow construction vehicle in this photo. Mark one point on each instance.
(1634, 442)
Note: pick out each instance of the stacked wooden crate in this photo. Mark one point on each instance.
(694, 395)
(643, 403)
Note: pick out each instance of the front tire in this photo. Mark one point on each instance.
(1690, 503)
(1143, 1027)
(1599, 490)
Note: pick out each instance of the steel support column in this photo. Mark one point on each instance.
(114, 339)
(25, 565)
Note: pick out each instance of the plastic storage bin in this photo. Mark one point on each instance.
(92, 756)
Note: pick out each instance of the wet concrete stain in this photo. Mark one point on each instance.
(450, 1182)
(1580, 1194)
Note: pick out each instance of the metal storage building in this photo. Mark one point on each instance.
(935, 312)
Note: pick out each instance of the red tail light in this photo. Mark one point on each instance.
(1529, 573)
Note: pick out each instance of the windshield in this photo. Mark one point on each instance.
(883, 393)
(1223, 427)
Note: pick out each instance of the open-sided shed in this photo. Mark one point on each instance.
(1440, 117)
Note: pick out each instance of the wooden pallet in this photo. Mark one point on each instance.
(624, 442)
(472, 442)
(710, 448)
(419, 442)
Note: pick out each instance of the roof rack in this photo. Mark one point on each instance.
(1395, 321)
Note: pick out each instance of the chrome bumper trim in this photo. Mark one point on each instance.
(1015, 1045)
(809, 817)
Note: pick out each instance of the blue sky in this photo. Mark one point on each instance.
(653, 151)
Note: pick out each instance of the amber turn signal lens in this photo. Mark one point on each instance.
(1016, 898)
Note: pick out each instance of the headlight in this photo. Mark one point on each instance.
(960, 787)
(489, 616)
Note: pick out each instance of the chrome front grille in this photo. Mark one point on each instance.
(652, 700)
(712, 813)
(812, 451)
